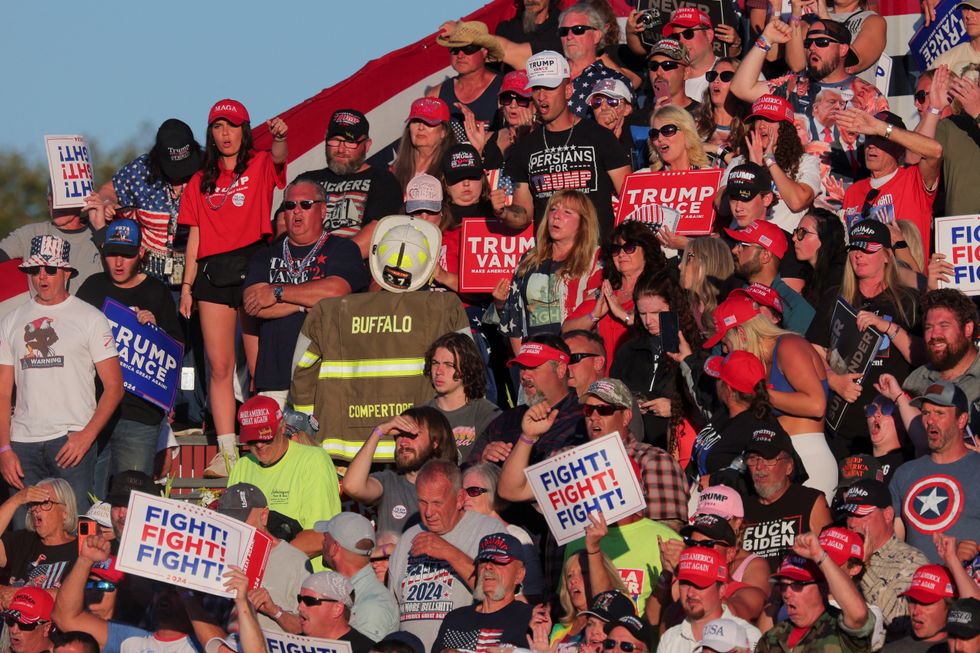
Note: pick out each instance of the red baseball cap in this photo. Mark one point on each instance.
(794, 567)
(772, 107)
(930, 583)
(515, 82)
(741, 370)
(231, 110)
(686, 17)
(760, 294)
(841, 544)
(729, 314)
(430, 110)
(107, 571)
(764, 233)
(533, 354)
(702, 566)
(259, 418)
(30, 605)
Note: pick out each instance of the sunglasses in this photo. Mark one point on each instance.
(654, 66)
(604, 410)
(579, 357)
(705, 543)
(872, 409)
(688, 34)
(312, 601)
(10, 621)
(475, 491)
(289, 205)
(577, 30)
(796, 585)
(725, 75)
(920, 97)
(100, 585)
(820, 42)
(507, 99)
(472, 48)
(344, 143)
(667, 130)
(613, 102)
(800, 233)
(629, 248)
(626, 647)
(49, 270)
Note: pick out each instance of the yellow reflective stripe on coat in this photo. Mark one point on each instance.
(306, 409)
(307, 359)
(371, 368)
(347, 449)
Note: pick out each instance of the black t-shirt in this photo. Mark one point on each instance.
(359, 642)
(770, 530)
(30, 562)
(355, 200)
(150, 295)
(544, 37)
(466, 629)
(716, 449)
(851, 436)
(892, 461)
(574, 159)
(336, 257)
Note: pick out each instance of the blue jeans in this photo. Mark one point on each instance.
(131, 445)
(37, 459)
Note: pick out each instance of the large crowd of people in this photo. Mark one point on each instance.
(791, 502)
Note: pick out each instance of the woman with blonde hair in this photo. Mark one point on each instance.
(797, 378)
(706, 268)
(579, 585)
(45, 549)
(872, 287)
(558, 274)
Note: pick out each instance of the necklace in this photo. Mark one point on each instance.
(295, 268)
(224, 197)
(544, 136)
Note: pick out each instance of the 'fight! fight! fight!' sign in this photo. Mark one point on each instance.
(187, 545)
(958, 237)
(70, 166)
(594, 477)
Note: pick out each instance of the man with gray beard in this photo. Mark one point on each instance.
(781, 508)
(498, 619)
(358, 193)
(536, 23)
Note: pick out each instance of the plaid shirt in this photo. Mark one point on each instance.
(662, 479)
(567, 431)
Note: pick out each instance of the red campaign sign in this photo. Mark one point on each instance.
(488, 251)
(690, 192)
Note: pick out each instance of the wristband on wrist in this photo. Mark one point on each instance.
(278, 139)
(900, 395)
(526, 440)
(763, 44)
(593, 553)
(592, 316)
(5, 448)
(377, 431)
(277, 614)
(934, 111)
(821, 560)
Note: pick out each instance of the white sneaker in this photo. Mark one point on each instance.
(220, 466)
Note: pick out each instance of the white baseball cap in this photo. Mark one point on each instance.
(547, 68)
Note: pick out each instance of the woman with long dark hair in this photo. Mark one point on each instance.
(227, 205)
(720, 116)
(424, 141)
(772, 142)
(642, 364)
(819, 242)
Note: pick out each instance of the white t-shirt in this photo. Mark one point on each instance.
(680, 638)
(958, 57)
(53, 350)
(809, 174)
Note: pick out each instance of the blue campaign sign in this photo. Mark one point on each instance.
(150, 359)
(941, 35)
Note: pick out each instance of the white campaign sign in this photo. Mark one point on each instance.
(287, 643)
(70, 167)
(594, 477)
(958, 237)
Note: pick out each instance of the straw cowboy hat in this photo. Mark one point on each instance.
(472, 32)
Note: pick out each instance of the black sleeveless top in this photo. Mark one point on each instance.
(484, 107)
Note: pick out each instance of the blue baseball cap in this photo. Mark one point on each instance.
(122, 238)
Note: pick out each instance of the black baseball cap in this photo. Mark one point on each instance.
(637, 627)
(610, 606)
(462, 162)
(869, 236)
(963, 619)
(830, 29)
(712, 526)
(176, 151)
(348, 123)
(124, 483)
(748, 180)
(865, 495)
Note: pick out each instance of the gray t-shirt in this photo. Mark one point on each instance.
(289, 567)
(427, 589)
(83, 256)
(398, 507)
(468, 422)
(922, 377)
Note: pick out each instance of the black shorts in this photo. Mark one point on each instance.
(224, 267)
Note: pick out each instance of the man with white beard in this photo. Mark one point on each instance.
(498, 619)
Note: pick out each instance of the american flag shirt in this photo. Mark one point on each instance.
(583, 84)
(151, 198)
(468, 629)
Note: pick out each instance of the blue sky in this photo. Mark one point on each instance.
(114, 70)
